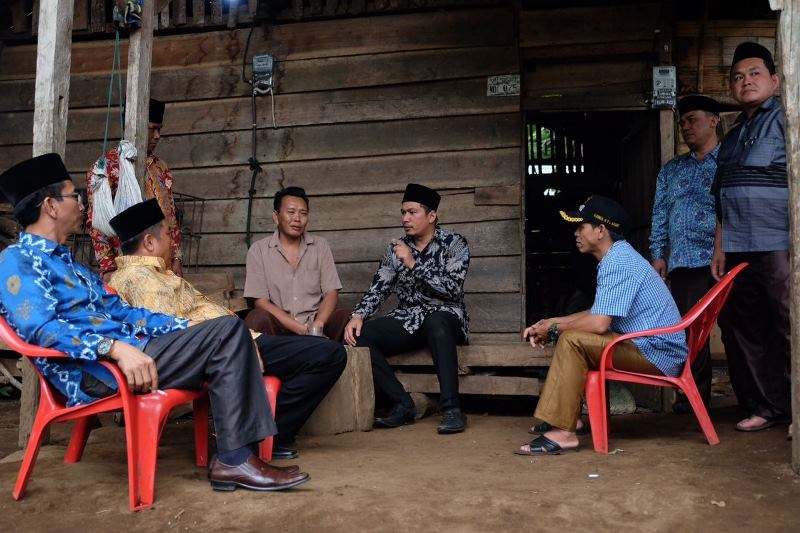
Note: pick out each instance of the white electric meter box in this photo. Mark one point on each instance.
(665, 87)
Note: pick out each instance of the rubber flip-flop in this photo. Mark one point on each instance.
(543, 446)
(544, 427)
(768, 423)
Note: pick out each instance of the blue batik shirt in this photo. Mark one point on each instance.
(683, 211)
(635, 297)
(51, 300)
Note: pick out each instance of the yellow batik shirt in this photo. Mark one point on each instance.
(146, 282)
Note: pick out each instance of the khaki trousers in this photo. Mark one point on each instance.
(576, 353)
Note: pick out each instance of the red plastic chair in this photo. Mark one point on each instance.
(145, 416)
(273, 386)
(699, 321)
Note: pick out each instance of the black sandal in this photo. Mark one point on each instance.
(543, 446)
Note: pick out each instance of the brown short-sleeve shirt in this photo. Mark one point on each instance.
(298, 292)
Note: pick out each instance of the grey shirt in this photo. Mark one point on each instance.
(751, 186)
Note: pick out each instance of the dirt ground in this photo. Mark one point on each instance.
(411, 479)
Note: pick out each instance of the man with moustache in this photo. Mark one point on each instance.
(630, 297)
(426, 269)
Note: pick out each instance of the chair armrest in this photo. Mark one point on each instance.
(606, 360)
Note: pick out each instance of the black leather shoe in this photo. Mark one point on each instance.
(283, 452)
(453, 421)
(400, 415)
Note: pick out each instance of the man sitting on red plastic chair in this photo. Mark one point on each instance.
(630, 297)
(307, 366)
(51, 300)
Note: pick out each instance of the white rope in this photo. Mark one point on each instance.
(104, 207)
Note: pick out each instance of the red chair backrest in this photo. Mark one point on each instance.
(706, 311)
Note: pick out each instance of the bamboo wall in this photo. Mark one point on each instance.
(363, 106)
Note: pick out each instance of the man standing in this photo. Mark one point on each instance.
(630, 297)
(753, 226)
(426, 268)
(684, 221)
(158, 185)
(307, 366)
(52, 301)
(292, 276)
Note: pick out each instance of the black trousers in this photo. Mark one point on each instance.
(220, 352)
(308, 367)
(755, 331)
(441, 332)
(688, 286)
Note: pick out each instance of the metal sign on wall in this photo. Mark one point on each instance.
(506, 85)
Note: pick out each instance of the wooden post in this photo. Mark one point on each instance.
(53, 58)
(137, 94)
(789, 62)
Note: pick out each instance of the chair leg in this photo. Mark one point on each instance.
(273, 386)
(77, 441)
(146, 430)
(700, 411)
(598, 420)
(31, 453)
(201, 408)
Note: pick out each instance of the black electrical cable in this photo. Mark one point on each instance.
(244, 57)
(255, 166)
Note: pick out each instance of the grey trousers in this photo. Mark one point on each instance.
(220, 352)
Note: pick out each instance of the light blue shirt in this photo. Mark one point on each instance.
(635, 297)
(683, 211)
(51, 300)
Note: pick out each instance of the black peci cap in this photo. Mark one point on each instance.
(422, 195)
(27, 177)
(136, 219)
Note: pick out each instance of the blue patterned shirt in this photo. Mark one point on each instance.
(752, 184)
(436, 283)
(635, 297)
(683, 211)
(52, 301)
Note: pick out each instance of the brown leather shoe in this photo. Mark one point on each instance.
(253, 474)
(289, 469)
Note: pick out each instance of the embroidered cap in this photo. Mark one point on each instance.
(422, 195)
(27, 177)
(601, 210)
(136, 219)
(156, 114)
(698, 102)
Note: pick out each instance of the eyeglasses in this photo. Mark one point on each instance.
(78, 197)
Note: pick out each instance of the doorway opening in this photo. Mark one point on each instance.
(569, 157)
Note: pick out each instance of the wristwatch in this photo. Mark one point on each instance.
(104, 346)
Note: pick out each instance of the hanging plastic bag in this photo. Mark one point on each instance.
(128, 191)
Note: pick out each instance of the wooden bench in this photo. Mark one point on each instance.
(478, 365)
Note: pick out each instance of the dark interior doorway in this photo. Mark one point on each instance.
(570, 156)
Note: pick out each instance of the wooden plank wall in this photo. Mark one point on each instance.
(363, 106)
(591, 58)
(704, 54)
